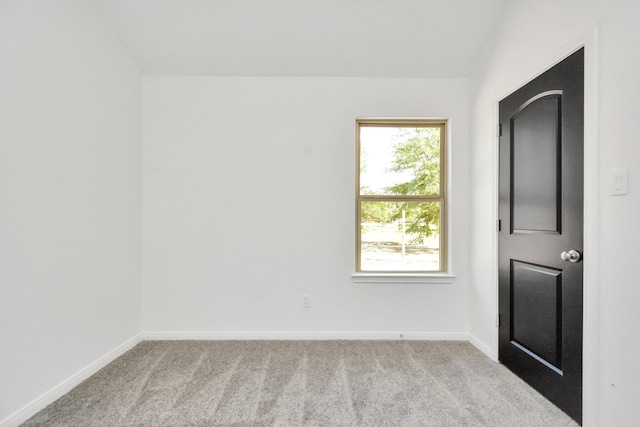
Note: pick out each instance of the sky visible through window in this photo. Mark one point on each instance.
(377, 155)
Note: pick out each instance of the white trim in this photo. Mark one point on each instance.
(496, 214)
(35, 406)
(304, 335)
(482, 347)
(402, 278)
(590, 280)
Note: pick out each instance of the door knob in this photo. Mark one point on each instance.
(572, 255)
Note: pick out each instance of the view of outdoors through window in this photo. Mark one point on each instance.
(400, 197)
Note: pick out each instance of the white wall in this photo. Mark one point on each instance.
(619, 228)
(249, 196)
(530, 40)
(69, 196)
(249, 203)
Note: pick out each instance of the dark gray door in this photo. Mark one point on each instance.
(541, 233)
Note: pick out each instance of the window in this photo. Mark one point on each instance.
(401, 196)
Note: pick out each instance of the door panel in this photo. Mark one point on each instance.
(536, 302)
(535, 175)
(541, 211)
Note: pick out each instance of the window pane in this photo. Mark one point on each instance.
(399, 236)
(399, 160)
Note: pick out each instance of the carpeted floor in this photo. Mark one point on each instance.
(302, 383)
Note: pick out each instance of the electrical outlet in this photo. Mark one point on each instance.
(306, 301)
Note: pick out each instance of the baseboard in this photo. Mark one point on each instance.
(32, 408)
(481, 346)
(304, 335)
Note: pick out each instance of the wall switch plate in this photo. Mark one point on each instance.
(619, 182)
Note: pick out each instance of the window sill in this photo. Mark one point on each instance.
(437, 278)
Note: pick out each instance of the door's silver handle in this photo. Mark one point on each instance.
(572, 255)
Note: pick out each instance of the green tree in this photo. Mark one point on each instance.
(380, 212)
(374, 212)
(417, 154)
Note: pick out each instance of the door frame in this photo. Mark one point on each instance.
(590, 285)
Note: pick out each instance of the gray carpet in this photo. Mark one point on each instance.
(302, 383)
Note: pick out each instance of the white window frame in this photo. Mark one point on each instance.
(441, 276)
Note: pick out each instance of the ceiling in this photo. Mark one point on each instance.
(359, 38)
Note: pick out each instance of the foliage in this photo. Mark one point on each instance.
(417, 151)
(416, 154)
(381, 212)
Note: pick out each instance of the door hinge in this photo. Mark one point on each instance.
(498, 320)
(499, 130)
(499, 225)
